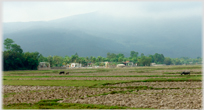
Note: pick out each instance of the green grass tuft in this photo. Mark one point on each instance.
(53, 104)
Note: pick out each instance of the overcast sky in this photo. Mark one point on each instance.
(45, 11)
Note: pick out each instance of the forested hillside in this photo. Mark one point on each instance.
(92, 34)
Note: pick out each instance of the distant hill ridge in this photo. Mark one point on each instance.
(92, 34)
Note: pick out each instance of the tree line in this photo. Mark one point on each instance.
(141, 60)
(16, 59)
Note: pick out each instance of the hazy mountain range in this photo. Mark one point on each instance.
(94, 34)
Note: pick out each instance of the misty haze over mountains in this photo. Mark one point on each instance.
(94, 34)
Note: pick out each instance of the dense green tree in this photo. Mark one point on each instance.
(93, 60)
(152, 57)
(120, 55)
(111, 55)
(57, 61)
(87, 59)
(114, 60)
(176, 61)
(16, 48)
(158, 58)
(144, 61)
(66, 60)
(7, 43)
(134, 60)
(134, 54)
(76, 54)
(106, 59)
(167, 61)
(90, 59)
(42, 58)
(20, 61)
(125, 59)
(15, 59)
(83, 61)
(31, 60)
(10, 46)
(120, 59)
(142, 54)
(108, 55)
(80, 60)
(74, 58)
(50, 60)
(99, 59)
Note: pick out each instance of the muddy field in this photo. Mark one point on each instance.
(138, 87)
(179, 85)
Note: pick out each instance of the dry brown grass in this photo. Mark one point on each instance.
(158, 99)
(162, 84)
(32, 94)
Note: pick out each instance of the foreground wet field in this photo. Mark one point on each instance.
(104, 88)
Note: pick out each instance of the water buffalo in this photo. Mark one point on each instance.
(67, 73)
(185, 72)
(61, 72)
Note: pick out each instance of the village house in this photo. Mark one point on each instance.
(73, 65)
(43, 65)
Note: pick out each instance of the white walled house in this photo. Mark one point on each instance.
(73, 65)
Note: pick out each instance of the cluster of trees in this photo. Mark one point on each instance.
(141, 60)
(16, 59)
